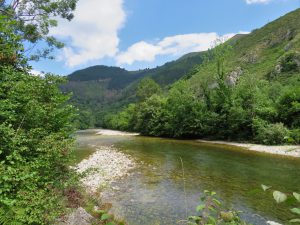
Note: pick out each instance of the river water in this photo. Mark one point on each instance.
(154, 192)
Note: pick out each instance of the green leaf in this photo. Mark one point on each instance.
(105, 216)
(296, 210)
(216, 201)
(212, 220)
(295, 221)
(200, 208)
(100, 211)
(265, 187)
(279, 196)
(297, 196)
(110, 223)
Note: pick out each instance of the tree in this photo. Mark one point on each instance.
(33, 19)
(146, 88)
(184, 111)
(151, 118)
(35, 123)
(289, 107)
(35, 147)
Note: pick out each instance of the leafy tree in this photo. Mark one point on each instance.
(151, 118)
(33, 19)
(35, 146)
(35, 122)
(146, 88)
(184, 111)
(289, 106)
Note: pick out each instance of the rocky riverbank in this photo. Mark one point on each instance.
(104, 166)
(284, 150)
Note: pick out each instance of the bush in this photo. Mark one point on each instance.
(289, 62)
(35, 147)
(295, 136)
(270, 134)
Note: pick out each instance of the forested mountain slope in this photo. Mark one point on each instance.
(246, 89)
(101, 89)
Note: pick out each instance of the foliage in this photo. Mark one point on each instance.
(270, 134)
(289, 62)
(289, 106)
(254, 109)
(106, 219)
(34, 18)
(280, 197)
(35, 127)
(146, 88)
(116, 87)
(230, 96)
(35, 146)
(211, 212)
(11, 48)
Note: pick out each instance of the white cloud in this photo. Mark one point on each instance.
(257, 1)
(173, 45)
(36, 73)
(93, 33)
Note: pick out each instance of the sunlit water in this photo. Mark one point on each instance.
(154, 192)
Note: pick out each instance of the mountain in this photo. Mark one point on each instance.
(270, 53)
(100, 89)
(247, 89)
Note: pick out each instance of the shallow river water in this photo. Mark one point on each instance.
(154, 192)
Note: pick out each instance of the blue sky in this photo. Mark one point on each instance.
(137, 34)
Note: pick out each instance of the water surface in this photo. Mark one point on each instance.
(154, 192)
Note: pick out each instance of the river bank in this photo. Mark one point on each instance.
(283, 150)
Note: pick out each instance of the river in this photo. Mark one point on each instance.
(154, 192)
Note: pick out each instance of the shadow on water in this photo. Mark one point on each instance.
(154, 194)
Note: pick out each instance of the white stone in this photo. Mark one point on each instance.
(106, 165)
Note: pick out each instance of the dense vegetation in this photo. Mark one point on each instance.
(247, 89)
(101, 90)
(35, 121)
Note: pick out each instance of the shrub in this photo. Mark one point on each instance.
(295, 136)
(270, 134)
(211, 212)
(289, 62)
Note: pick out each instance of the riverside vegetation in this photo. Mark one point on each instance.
(246, 89)
(37, 185)
(35, 120)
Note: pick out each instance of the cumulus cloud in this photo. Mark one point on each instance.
(257, 1)
(93, 33)
(174, 45)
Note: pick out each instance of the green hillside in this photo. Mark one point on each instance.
(246, 89)
(269, 54)
(101, 89)
(262, 50)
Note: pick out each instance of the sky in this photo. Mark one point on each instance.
(138, 34)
